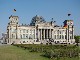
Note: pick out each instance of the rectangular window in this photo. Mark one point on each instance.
(54, 32)
(26, 31)
(13, 30)
(27, 36)
(23, 30)
(62, 36)
(20, 31)
(65, 36)
(70, 37)
(33, 36)
(30, 36)
(31, 31)
(23, 35)
(70, 32)
(13, 36)
(60, 32)
(55, 36)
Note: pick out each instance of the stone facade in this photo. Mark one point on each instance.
(39, 32)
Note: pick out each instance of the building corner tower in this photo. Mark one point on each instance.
(12, 29)
(69, 31)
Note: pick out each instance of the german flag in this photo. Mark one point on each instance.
(65, 26)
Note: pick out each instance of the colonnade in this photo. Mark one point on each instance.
(43, 34)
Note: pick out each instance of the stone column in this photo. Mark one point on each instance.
(72, 32)
(61, 34)
(67, 34)
(41, 34)
(35, 33)
(47, 33)
(38, 33)
(56, 36)
(10, 35)
(64, 36)
(44, 34)
(50, 33)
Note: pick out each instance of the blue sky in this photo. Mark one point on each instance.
(26, 9)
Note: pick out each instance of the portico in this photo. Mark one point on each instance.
(44, 34)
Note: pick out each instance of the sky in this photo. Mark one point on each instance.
(26, 9)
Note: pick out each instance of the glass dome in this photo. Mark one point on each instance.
(37, 19)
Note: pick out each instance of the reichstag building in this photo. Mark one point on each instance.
(39, 31)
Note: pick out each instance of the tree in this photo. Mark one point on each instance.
(77, 38)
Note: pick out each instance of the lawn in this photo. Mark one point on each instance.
(9, 52)
(13, 53)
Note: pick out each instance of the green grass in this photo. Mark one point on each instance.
(9, 52)
(14, 53)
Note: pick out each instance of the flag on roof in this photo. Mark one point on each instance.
(69, 14)
(52, 18)
(65, 26)
(14, 10)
